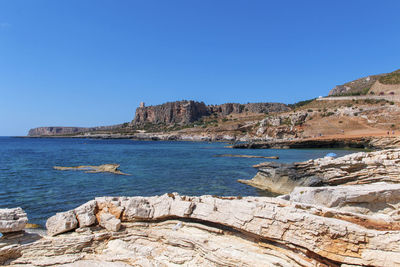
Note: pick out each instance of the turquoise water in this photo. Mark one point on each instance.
(28, 180)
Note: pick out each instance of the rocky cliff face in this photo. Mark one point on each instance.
(180, 112)
(236, 108)
(41, 131)
(184, 112)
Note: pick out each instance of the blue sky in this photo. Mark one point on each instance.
(88, 63)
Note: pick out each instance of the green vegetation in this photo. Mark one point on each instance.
(374, 101)
(286, 121)
(363, 91)
(301, 103)
(327, 114)
(392, 78)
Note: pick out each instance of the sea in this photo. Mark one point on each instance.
(28, 180)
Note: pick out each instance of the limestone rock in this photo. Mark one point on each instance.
(185, 112)
(61, 222)
(356, 225)
(110, 205)
(12, 220)
(109, 222)
(54, 131)
(357, 168)
(374, 197)
(85, 214)
(181, 112)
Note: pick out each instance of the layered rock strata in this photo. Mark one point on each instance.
(180, 112)
(184, 112)
(236, 108)
(357, 168)
(12, 220)
(215, 231)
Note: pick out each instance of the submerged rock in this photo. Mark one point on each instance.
(357, 168)
(112, 168)
(12, 220)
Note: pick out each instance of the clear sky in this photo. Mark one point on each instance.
(88, 63)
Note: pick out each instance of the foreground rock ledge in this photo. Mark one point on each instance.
(357, 168)
(211, 231)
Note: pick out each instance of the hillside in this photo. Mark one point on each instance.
(374, 84)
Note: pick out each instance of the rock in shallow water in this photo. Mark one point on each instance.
(111, 168)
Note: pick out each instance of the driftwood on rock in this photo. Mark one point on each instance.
(112, 168)
(226, 231)
(357, 168)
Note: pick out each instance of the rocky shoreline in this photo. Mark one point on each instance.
(246, 142)
(334, 212)
(356, 168)
(345, 142)
(321, 226)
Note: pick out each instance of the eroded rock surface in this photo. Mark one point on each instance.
(357, 168)
(12, 220)
(230, 231)
(61, 222)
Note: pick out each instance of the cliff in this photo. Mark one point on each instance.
(180, 112)
(185, 112)
(236, 108)
(59, 130)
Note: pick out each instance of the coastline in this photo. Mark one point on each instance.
(245, 142)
